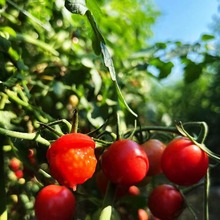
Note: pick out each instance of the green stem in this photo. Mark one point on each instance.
(203, 133)
(206, 196)
(64, 121)
(50, 129)
(106, 143)
(3, 202)
(109, 195)
(27, 136)
(75, 121)
(153, 128)
(37, 111)
(188, 205)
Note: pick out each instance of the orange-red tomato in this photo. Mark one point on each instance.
(71, 159)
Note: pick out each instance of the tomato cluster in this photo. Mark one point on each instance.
(16, 166)
(126, 166)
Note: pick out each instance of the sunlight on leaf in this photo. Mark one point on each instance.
(76, 6)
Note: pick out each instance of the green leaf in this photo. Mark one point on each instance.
(207, 37)
(161, 45)
(11, 81)
(106, 213)
(97, 80)
(29, 39)
(76, 6)
(4, 44)
(99, 42)
(97, 36)
(6, 117)
(165, 68)
(108, 61)
(123, 101)
(109, 213)
(2, 2)
(192, 71)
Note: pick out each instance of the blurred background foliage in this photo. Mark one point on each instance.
(49, 66)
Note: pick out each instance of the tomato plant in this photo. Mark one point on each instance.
(165, 202)
(183, 162)
(125, 162)
(55, 202)
(71, 159)
(154, 149)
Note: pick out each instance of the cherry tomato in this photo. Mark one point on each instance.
(165, 202)
(154, 150)
(14, 164)
(19, 174)
(71, 159)
(73, 100)
(142, 214)
(55, 202)
(125, 162)
(183, 162)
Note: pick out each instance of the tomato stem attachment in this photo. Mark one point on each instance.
(75, 121)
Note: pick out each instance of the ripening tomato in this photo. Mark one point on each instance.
(14, 164)
(154, 149)
(183, 162)
(55, 202)
(71, 159)
(125, 162)
(165, 202)
(142, 214)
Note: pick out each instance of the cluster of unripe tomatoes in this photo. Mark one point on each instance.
(123, 166)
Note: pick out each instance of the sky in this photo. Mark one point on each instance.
(184, 20)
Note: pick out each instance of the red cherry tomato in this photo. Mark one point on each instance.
(71, 159)
(183, 162)
(165, 202)
(154, 150)
(55, 202)
(19, 174)
(125, 162)
(14, 164)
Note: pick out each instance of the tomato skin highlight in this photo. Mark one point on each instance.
(125, 162)
(71, 159)
(183, 162)
(54, 202)
(165, 202)
(154, 149)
